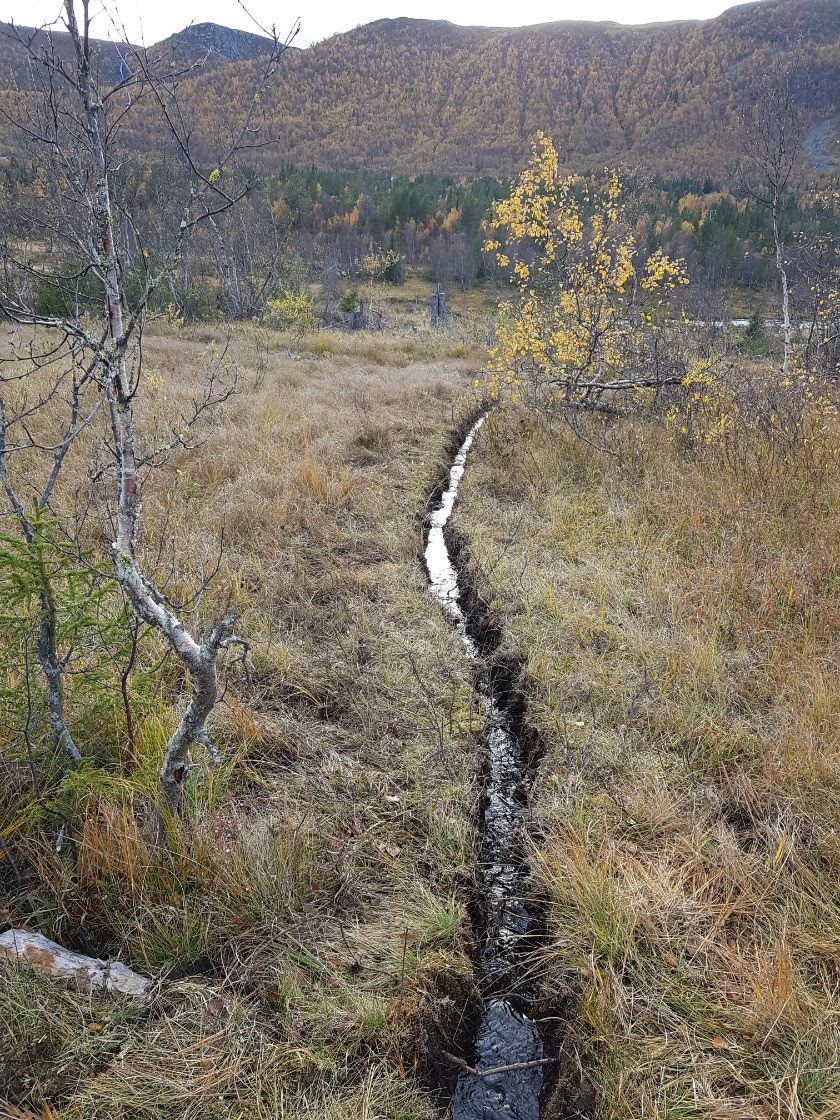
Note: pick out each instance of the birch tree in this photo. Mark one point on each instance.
(578, 333)
(94, 336)
(772, 136)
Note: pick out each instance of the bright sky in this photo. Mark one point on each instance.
(153, 20)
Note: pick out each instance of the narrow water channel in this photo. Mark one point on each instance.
(505, 1037)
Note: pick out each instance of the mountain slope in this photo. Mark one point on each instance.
(416, 95)
(198, 41)
(16, 42)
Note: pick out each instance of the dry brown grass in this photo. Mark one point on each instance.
(319, 876)
(678, 629)
(677, 625)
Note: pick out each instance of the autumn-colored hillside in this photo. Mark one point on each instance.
(414, 96)
(425, 95)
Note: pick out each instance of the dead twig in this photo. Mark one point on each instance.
(509, 1068)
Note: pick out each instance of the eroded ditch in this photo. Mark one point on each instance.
(506, 1079)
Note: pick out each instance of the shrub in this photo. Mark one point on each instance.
(49, 299)
(388, 266)
(292, 312)
(349, 301)
(755, 340)
(201, 304)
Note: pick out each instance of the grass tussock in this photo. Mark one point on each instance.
(309, 908)
(677, 622)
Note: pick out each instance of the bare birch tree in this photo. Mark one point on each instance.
(73, 127)
(773, 133)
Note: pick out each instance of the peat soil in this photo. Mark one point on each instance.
(517, 1058)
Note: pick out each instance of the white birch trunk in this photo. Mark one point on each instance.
(780, 266)
(198, 659)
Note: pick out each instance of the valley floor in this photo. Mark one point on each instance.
(676, 624)
(310, 913)
(677, 627)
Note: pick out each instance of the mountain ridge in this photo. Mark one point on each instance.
(193, 43)
(228, 44)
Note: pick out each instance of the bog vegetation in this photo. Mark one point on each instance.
(241, 749)
(669, 589)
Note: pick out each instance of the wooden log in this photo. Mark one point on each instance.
(87, 973)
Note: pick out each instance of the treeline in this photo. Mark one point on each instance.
(435, 224)
(300, 230)
(726, 240)
(426, 223)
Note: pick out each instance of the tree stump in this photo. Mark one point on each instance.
(359, 321)
(437, 307)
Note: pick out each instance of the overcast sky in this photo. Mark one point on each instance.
(152, 20)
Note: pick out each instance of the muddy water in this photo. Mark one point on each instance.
(505, 1036)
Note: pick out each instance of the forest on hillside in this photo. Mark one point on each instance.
(410, 97)
(416, 96)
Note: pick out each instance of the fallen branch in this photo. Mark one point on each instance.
(510, 1068)
(88, 973)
